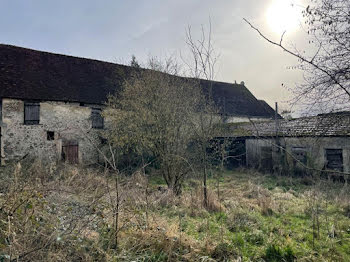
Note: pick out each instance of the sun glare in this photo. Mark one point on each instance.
(283, 15)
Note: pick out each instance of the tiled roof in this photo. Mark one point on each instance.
(37, 75)
(332, 124)
(268, 108)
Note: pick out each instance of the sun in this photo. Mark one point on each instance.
(283, 15)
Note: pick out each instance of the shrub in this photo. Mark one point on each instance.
(265, 204)
(274, 253)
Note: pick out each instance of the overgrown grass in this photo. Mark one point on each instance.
(274, 218)
(256, 218)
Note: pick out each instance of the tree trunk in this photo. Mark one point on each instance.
(205, 191)
(117, 213)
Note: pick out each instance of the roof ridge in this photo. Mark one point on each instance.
(111, 63)
(42, 75)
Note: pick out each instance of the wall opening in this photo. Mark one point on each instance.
(31, 113)
(300, 155)
(334, 159)
(70, 152)
(266, 158)
(97, 118)
(299, 160)
(236, 153)
(50, 135)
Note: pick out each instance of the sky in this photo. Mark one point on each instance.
(114, 30)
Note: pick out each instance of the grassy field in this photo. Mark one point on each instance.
(71, 214)
(268, 217)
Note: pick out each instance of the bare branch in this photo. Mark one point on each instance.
(302, 58)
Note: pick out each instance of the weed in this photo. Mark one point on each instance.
(255, 238)
(274, 253)
(224, 252)
(265, 204)
(76, 207)
(240, 221)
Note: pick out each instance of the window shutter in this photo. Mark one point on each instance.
(31, 113)
(96, 118)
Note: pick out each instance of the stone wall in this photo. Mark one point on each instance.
(245, 119)
(68, 121)
(314, 146)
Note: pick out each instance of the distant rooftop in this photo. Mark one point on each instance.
(331, 124)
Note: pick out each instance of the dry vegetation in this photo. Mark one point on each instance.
(65, 213)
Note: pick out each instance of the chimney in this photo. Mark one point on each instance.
(276, 118)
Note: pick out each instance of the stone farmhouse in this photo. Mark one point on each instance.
(319, 142)
(50, 104)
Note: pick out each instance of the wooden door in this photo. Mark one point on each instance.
(266, 158)
(70, 153)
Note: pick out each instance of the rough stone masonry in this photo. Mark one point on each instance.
(60, 123)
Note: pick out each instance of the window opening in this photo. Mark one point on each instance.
(97, 119)
(31, 113)
(334, 158)
(50, 135)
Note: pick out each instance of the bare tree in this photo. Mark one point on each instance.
(154, 116)
(202, 66)
(327, 69)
